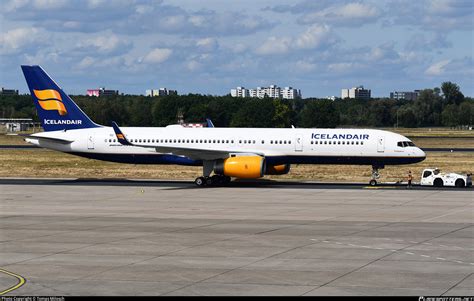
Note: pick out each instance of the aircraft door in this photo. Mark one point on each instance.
(381, 144)
(299, 143)
(90, 141)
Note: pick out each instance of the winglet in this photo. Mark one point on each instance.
(120, 136)
(209, 123)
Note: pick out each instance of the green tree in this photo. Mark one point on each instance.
(466, 113)
(452, 93)
(282, 114)
(254, 113)
(450, 115)
(319, 113)
(428, 108)
(407, 116)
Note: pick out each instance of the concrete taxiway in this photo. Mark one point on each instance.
(92, 237)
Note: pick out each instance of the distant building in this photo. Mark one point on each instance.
(93, 92)
(273, 91)
(356, 93)
(405, 95)
(332, 97)
(290, 93)
(18, 124)
(160, 92)
(101, 92)
(239, 92)
(8, 92)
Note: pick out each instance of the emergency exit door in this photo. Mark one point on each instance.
(381, 144)
(299, 143)
(90, 141)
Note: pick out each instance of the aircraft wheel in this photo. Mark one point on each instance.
(373, 183)
(216, 180)
(200, 181)
(226, 179)
(210, 181)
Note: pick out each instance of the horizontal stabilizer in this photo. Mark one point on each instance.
(49, 139)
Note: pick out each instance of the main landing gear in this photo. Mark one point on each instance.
(215, 180)
(375, 175)
(207, 180)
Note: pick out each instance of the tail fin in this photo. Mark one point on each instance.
(57, 111)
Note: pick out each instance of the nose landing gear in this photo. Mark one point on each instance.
(375, 174)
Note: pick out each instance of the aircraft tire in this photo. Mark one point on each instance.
(200, 181)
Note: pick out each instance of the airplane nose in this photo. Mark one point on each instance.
(421, 153)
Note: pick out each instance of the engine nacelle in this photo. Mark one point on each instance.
(243, 167)
(277, 169)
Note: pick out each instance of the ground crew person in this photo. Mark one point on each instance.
(410, 178)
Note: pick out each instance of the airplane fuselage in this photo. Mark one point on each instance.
(278, 146)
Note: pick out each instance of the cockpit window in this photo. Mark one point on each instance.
(405, 143)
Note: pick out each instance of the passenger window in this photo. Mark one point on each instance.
(362, 143)
(357, 142)
(325, 142)
(312, 142)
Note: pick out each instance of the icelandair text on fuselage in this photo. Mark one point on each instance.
(340, 136)
(66, 121)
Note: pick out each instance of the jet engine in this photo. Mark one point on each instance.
(243, 167)
(277, 169)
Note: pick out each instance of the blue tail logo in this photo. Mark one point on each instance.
(56, 109)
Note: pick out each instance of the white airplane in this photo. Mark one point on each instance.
(227, 152)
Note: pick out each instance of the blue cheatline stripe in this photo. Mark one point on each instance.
(172, 159)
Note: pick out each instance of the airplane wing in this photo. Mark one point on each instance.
(190, 152)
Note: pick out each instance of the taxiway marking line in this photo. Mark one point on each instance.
(21, 281)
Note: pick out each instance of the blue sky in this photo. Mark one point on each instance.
(211, 46)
